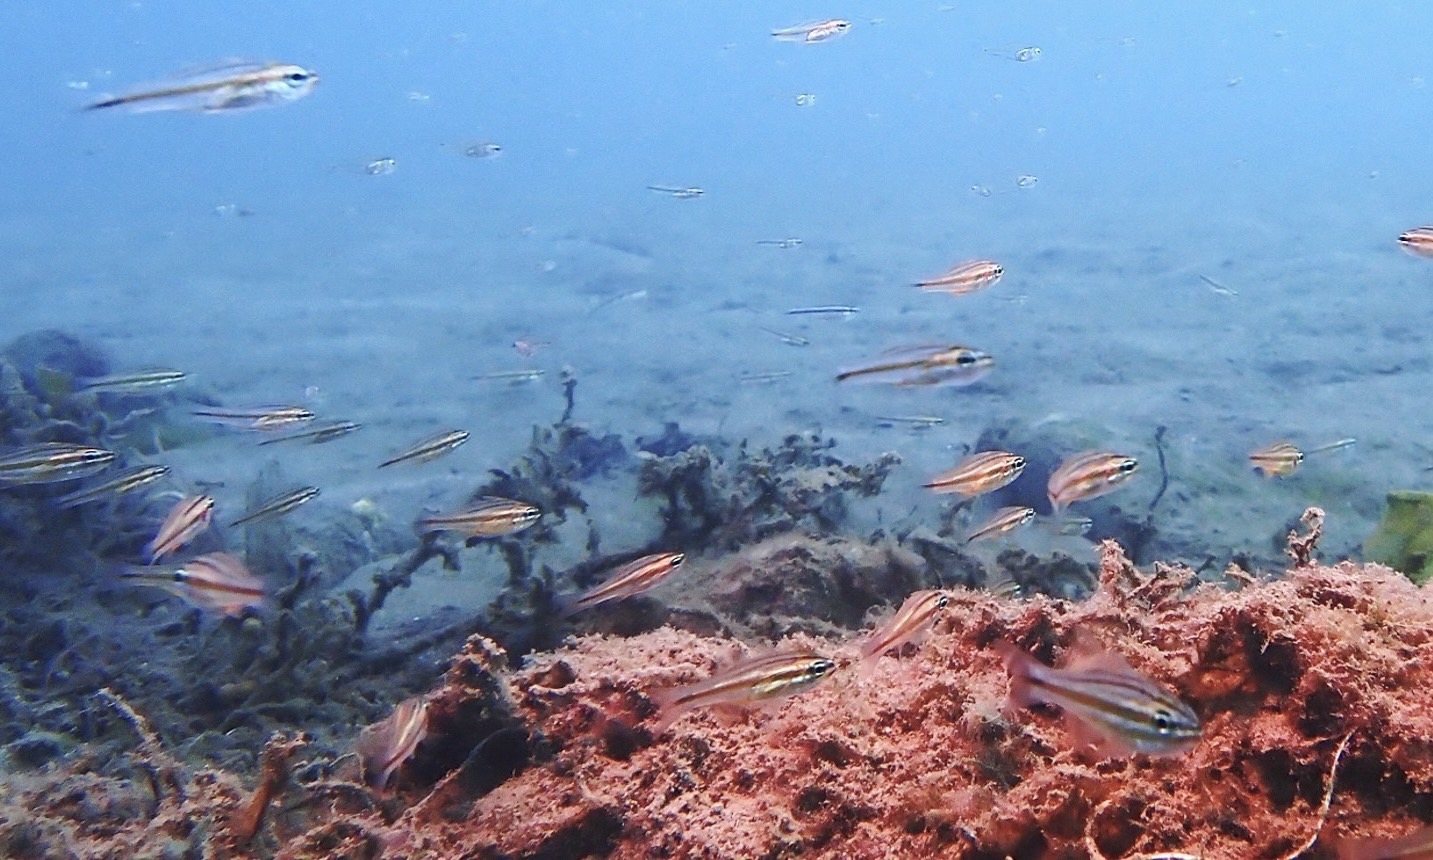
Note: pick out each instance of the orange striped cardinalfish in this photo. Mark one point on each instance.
(227, 87)
(1002, 522)
(490, 517)
(911, 623)
(813, 32)
(264, 418)
(1089, 475)
(434, 446)
(277, 506)
(945, 364)
(979, 473)
(1418, 241)
(1110, 706)
(318, 435)
(1277, 460)
(630, 579)
(186, 521)
(52, 462)
(384, 746)
(126, 482)
(753, 680)
(218, 582)
(963, 278)
(1417, 845)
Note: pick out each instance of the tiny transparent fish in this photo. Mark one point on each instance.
(1418, 241)
(750, 681)
(381, 166)
(964, 278)
(813, 32)
(185, 521)
(788, 339)
(678, 192)
(1020, 55)
(762, 377)
(947, 364)
(266, 418)
(490, 517)
(514, 377)
(428, 449)
(1027, 181)
(1004, 586)
(915, 422)
(125, 482)
(1001, 523)
(1110, 706)
(528, 347)
(632, 578)
(825, 310)
(317, 435)
(277, 506)
(384, 746)
(483, 150)
(1277, 460)
(792, 242)
(1217, 287)
(136, 382)
(911, 623)
(979, 473)
(1089, 475)
(218, 582)
(981, 191)
(52, 462)
(229, 87)
(805, 99)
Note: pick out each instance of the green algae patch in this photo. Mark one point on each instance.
(1404, 539)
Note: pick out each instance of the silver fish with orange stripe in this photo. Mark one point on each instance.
(218, 582)
(434, 446)
(186, 521)
(265, 418)
(52, 462)
(1277, 460)
(911, 623)
(491, 516)
(125, 482)
(753, 680)
(238, 85)
(384, 746)
(962, 278)
(1089, 475)
(982, 472)
(1418, 241)
(1110, 706)
(630, 579)
(942, 364)
(1002, 522)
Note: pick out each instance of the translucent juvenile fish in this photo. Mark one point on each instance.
(911, 623)
(677, 191)
(788, 339)
(234, 86)
(490, 517)
(136, 382)
(1418, 241)
(630, 579)
(265, 418)
(483, 150)
(825, 310)
(1277, 460)
(813, 32)
(1004, 585)
(433, 446)
(278, 505)
(763, 377)
(381, 166)
(317, 435)
(792, 242)
(1110, 706)
(185, 521)
(963, 278)
(125, 482)
(979, 473)
(515, 377)
(915, 422)
(925, 365)
(750, 681)
(1417, 845)
(384, 746)
(1002, 522)
(218, 582)
(52, 462)
(1088, 475)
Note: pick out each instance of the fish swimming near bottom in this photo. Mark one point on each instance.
(384, 746)
(908, 366)
(632, 578)
(1088, 475)
(1002, 522)
(125, 482)
(750, 681)
(185, 521)
(911, 623)
(218, 582)
(1108, 704)
(277, 506)
(491, 516)
(52, 462)
(238, 85)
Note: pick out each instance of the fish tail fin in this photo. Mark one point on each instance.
(567, 605)
(670, 708)
(1020, 666)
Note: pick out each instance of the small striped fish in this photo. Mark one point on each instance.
(267, 418)
(979, 473)
(1277, 460)
(1110, 705)
(125, 482)
(813, 32)
(434, 446)
(132, 383)
(52, 462)
(630, 579)
(317, 435)
(750, 681)
(911, 623)
(186, 521)
(490, 517)
(228, 87)
(217, 582)
(384, 746)
(925, 365)
(277, 506)
(963, 278)
(1002, 522)
(1418, 241)
(1088, 475)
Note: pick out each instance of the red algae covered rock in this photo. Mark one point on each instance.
(925, 758)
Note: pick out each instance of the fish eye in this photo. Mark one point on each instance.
(1129, 465)
(1163, 722)
(296, 77)
(943, 601)
(965, 358)
(678, 559)
(1017, 463)
(999, 270)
